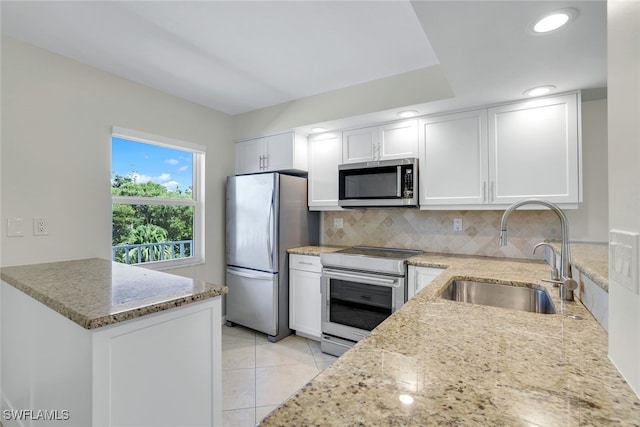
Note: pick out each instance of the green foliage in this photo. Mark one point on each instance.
(148, 233)
(176, 222)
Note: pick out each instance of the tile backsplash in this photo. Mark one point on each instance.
(432, 231)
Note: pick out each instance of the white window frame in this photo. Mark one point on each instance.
(197, 192)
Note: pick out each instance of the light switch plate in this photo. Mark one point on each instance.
(338, 223)
(15, 227)
(623, 259)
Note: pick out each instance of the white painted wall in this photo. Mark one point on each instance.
(623, 63)
(590, 222)
(56, 122)
(415, 87)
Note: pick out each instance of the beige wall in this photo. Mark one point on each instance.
(56, 122)
(590, 222)
(433, 230)
(415, 87)
(623, 64)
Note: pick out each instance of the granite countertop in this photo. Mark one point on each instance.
(96, 292)
(315, 250)
(592, 259)
(465, 364)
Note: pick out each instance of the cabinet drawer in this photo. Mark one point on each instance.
(305, 262)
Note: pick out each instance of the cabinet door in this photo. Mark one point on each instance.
(359, 145)
(324, 156)
(250, 156)
(305, 303)
(420, 277)
(398, 140)
(453, 159)
(279, 152)
(534, 150)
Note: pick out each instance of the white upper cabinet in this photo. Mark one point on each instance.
(359, 145)
(250, 156)
(283, 152)
(453, 159)
(534, 150)
(398, 140)
(492, 157)
(385, 142)
(325, 153)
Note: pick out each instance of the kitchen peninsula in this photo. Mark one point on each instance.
(93, 342)
(440, 362)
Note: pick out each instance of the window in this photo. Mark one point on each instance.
(157, 210)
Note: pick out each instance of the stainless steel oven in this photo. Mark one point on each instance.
(361, 287)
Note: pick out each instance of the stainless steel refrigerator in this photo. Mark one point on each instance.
(266, 214)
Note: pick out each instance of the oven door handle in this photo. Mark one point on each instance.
(357, 277)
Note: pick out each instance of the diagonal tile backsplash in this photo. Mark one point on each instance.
(432, 231)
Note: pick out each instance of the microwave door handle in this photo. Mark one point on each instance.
(399, 182)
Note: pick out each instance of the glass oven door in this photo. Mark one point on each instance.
(356, 302)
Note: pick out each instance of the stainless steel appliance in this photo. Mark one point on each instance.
(266, 214)
(361, 287)
(381, 183)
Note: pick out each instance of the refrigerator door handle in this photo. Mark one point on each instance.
(270, 227)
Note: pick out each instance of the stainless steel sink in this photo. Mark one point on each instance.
(500, 295)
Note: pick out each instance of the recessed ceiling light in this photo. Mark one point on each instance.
(554, 20)
(318, 130)
(539, 90)
(407, 114)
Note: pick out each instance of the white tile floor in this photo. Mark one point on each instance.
(257, 375)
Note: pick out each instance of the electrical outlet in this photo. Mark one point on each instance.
(457, 224)
(338, 223)
(40, 227)
(623, 259)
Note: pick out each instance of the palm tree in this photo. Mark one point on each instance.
(143, 235)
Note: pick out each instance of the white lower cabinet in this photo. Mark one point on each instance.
(419, 278)
(304, 295)
(160, 369)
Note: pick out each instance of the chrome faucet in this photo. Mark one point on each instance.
(567, 284)
(555, 275)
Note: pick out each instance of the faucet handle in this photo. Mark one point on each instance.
(555, 275)
(566, 289)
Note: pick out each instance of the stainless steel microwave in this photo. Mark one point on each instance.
(379, 184)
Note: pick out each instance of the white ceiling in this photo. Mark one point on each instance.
(238, 56)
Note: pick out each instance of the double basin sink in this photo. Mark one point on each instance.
(500, 295)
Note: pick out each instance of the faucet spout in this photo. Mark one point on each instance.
(565, 251)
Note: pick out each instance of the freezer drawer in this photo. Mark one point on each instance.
(252, 300)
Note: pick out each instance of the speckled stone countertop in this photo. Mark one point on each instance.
(592, 259)
(315, 250)
(96, 292)
(472, 365)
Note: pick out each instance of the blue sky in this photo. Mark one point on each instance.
(171, 168)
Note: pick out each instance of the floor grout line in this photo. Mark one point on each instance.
(319, 362)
